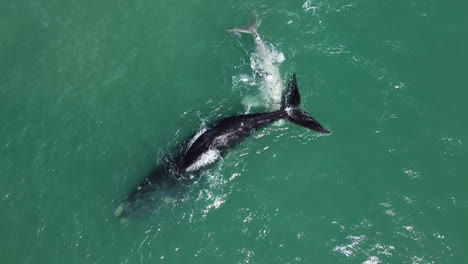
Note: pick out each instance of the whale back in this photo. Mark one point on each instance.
(226, 134)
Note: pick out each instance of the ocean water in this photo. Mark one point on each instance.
(93, 94)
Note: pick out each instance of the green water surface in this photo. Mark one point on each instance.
(94, 93)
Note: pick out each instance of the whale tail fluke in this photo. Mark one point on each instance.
(290, 104)
(249, 29)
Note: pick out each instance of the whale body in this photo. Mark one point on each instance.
(264, 62)
(205, 148)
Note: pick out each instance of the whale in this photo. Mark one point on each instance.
(205, 148)
(265, 62)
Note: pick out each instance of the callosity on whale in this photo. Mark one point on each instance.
(207, 147)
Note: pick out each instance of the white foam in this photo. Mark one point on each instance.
(251, 101)
(309, 5)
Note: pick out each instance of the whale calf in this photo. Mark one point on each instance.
(264, 61)
(206, 147)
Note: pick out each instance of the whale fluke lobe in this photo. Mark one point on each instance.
(292, 98)
(250, 28)
(302, 118)
(291, 102)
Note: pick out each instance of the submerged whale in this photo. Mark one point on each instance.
(264, 62)
(205, 148)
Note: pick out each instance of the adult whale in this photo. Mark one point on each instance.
(208, 146)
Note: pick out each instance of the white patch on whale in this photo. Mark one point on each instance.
(223, 140)
(205, 159)
(118, 211)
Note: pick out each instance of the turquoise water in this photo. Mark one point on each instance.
(94, 94)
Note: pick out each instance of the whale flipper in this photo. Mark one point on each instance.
(291, 102)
